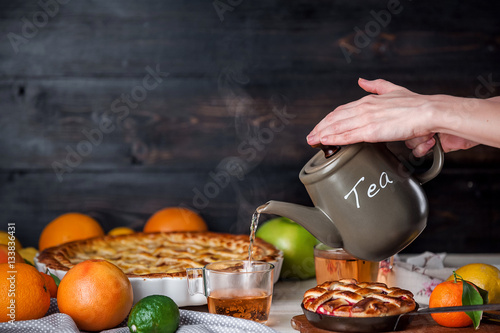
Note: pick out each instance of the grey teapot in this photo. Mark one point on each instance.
(365, 200)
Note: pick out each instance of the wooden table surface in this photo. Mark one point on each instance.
(419, 324)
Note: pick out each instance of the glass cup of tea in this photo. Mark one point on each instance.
(333, 264)
(236, 288)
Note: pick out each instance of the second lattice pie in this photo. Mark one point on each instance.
(348, 298)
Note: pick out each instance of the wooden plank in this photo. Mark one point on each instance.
(121, 38)
(464, 214)
(179, 124)
(224, 80)
(70, 123)
(225, 201)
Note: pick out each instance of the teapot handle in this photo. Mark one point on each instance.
(437, 164)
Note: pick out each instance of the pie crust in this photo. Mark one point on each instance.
(162, 254)
(348, 298)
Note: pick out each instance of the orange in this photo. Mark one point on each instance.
(51, 284)
(69, 227)
(23, 294)
(11, 255)
(449, 293)
(121, 231)
(96, 294)
(175, 219)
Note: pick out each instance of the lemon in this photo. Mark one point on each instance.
(154, 314)
(120, 231)
(484, 276)
(5, 238)
(28, 253)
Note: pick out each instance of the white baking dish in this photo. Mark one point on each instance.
(173, 287)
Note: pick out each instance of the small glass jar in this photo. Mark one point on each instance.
(334, 264)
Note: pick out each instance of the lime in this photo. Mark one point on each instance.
(296, 243)
(154, 314)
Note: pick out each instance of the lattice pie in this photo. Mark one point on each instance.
(348, 298)
(158, 254)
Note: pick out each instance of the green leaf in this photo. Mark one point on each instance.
(483, 293)
(29, 262)
(56, 279)
(472, 296)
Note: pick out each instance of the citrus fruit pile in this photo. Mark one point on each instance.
(95, 293)
(471, 284)
(24, 292)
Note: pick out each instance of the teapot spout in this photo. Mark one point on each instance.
(312, 219)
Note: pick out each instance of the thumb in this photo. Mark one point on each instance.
(378, 86)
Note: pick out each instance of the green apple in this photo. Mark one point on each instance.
(296, 243)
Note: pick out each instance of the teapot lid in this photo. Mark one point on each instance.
(322, 158)
(326, 160)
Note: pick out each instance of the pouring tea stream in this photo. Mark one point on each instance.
(365, 200)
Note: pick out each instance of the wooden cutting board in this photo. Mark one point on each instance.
(419, 324)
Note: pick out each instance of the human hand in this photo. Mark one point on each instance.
(391, 113)
(420, 146)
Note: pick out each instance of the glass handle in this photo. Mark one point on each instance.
(195, 281)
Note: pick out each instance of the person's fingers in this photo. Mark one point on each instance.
(312, 139)
(423, 148)
(332, 130)
(453, 143)
(340, 139)
(342, 113)
(378, 86)
(348, 133)
(413, 143)
(368, 110)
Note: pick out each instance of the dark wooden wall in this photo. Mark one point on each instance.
(235, 87)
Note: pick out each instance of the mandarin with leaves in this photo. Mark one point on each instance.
(449, 293)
